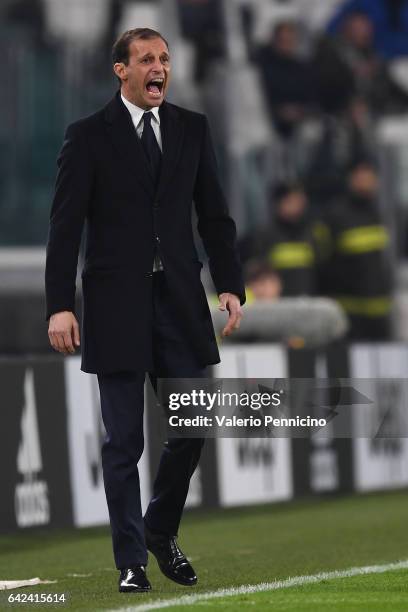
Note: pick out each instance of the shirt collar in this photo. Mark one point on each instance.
(137, 113)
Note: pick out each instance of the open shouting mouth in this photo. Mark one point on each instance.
(155, 87)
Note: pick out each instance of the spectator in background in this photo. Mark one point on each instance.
(287, 78)
(389, 19)
(341, 139)
(357, 270)
(349, 65)
(262, 282)
(287, 244)
(333, 79)
(290, 245)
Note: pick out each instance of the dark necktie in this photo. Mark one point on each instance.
(151, 147)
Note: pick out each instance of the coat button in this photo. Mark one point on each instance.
(149, 274)
(157, 239)
(156, 205)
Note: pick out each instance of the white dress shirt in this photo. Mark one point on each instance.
(137, 118)
(136, 114)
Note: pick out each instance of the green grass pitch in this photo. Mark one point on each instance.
(230, 548)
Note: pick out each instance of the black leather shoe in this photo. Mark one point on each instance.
(134, 580)
(172, 561)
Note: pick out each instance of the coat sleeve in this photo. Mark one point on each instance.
(215, 226)
(68, 211)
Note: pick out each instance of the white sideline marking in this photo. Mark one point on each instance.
(187, 600)
(15, 584)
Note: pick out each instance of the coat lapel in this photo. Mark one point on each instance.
(172, 132)
(126, 142)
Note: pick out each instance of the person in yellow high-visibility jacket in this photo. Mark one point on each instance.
(287, 242)
(357, 268)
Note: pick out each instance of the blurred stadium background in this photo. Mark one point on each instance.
(308, 104)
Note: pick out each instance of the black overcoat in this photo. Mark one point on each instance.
(104, 179)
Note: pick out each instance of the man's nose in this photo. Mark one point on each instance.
(157, 67)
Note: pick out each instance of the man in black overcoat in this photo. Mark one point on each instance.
(132, 171)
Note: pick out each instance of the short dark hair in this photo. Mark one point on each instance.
(255, 269)
(362, 161)
(120, 50)
(292, 24)
(282, 189)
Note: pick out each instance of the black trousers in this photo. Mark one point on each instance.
(122, 402)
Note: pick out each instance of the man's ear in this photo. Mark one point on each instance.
(120, 70)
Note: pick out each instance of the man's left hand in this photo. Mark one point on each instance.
(230, 302)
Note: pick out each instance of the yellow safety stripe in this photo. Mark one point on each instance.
(291, 255)
(368, 307)
(250, 298)
(363, 239)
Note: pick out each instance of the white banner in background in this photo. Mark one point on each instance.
(85, 433)
(381, 462)
(257, 361)
(31, 500)
(253, 470)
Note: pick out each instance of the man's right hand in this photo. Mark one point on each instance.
(63, 332)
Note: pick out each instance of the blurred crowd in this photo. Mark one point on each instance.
(328, 71)
(325, 234)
